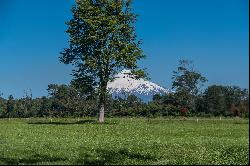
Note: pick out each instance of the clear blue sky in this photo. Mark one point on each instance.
(212, 33)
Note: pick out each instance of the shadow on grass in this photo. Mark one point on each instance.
(105, 156)
(64, 123)
(241, 122)
(71, 123)
(34, 159)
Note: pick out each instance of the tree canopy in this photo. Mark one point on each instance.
(187, 83)
(102, 41)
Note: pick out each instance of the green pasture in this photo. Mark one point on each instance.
(124, 141)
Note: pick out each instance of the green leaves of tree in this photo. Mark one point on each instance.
(187, 83)
(102, 39)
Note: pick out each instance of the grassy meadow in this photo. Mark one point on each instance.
(124, 141)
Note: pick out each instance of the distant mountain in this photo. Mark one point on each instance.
(124, 84)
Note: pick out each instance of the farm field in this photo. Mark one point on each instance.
(124, 141)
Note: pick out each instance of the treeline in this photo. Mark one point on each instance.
(62, 101)
(67, 101)
(79, 99)
(215, 101)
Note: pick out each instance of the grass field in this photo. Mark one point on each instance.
(124, 141)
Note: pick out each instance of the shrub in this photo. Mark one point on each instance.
(184, 111)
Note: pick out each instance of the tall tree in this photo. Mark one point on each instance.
(187, 83)
(102, 42)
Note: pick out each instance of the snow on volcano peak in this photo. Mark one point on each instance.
(125, 83)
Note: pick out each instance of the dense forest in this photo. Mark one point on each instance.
(67, 101)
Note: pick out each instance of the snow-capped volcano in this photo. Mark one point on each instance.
(125, 83)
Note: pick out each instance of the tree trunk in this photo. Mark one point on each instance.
(101, 114)
(102, 102)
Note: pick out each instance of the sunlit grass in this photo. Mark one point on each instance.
(124, 141)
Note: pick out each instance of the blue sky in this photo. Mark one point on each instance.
(212, 33)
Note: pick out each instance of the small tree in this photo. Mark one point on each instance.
(2, 104)
(10, 106)
(102, 42)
